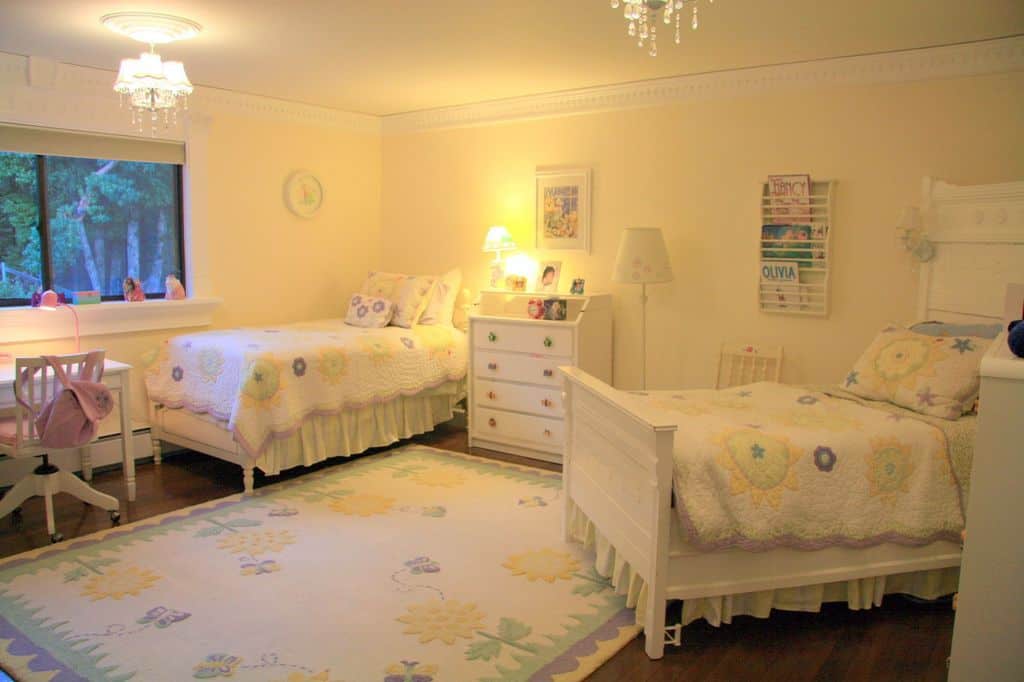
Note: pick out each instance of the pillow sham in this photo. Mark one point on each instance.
(932, 328)
(933, 375)
(382, 284)
(411, 297)
(441, 307)
(369, 311)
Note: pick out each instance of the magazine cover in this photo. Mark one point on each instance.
(790, 197)
(782, 242)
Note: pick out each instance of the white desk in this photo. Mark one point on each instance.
(117, 377)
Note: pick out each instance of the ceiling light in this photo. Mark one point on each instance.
(153, 88)
(642, 18)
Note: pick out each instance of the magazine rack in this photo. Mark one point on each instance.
(795, 252)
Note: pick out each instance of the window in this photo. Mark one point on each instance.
(76, 223)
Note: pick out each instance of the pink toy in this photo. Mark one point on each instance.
(173, 289)
(535, 308)
(133, 290)
(71, 418)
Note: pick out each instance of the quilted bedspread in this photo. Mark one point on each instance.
(265, 381)
(769, 465)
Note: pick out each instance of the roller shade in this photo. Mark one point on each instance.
(55, 142)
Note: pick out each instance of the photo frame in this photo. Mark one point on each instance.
(563, 209)
(548, 275)
(578, 285)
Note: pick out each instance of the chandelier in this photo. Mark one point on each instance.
(151, 87)
(642, 16)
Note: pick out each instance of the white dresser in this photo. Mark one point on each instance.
(515, 391)
(989, 627)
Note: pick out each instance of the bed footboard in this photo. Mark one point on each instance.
(617, 468)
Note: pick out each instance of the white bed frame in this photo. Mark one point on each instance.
(618, 464)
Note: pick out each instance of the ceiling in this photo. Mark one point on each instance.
(388, 56)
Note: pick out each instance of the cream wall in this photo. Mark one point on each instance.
(246, 248)
(693, 168)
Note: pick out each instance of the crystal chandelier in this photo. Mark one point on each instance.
(153, 88)
(642, 16)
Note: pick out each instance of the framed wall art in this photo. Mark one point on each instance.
(563, 209)
(303, 194)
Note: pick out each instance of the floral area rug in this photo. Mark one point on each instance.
(414, 565)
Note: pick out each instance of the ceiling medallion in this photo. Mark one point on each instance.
(153, 88)
(642, 16)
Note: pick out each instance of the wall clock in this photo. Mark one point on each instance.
(303, 193)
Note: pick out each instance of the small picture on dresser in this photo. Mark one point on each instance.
(550, 272)
(555, 309)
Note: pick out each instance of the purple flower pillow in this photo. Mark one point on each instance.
(369, 311)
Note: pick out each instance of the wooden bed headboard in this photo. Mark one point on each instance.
(978, 234)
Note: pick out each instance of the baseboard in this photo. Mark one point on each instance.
(105, 453)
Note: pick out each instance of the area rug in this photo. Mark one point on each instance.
(413, 565)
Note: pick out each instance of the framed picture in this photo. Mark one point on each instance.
(303, 194)
(577, 286)
(550, 272)
(555, 309)
(563, 209)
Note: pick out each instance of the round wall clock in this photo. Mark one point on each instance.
(303, 193)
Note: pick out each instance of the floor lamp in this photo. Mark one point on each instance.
(643, 260)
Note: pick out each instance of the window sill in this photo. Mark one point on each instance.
(111, 317)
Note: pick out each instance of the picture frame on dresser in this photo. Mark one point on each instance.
(514, 389)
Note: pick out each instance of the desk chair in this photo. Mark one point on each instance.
(743, 363)
(34, 385)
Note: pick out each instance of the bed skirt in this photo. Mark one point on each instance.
(321, 437)
(858, 594)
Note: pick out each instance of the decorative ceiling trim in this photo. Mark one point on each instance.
(83, 98)
(968, 59)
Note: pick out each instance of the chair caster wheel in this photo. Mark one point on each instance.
(115, 518)
(55, 538)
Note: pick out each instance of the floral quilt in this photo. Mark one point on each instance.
(769, 465)
(265, 381)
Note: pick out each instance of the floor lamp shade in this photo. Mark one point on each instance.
(643, 260)
(642, 257)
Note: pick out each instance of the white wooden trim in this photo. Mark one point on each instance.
(25, 324)
(952, 61)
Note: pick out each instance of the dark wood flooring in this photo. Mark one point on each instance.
(900, 641)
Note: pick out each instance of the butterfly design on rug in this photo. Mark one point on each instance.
(162, 617)
(254, 567)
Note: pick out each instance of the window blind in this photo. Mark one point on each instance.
(56, 142)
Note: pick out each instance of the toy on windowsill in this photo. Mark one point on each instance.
(133, 290)
(1015, 339)
(173, 289)
(37, 299)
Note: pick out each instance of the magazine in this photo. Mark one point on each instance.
(790, 197)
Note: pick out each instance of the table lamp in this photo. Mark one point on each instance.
(51, 300)
(643, 260)
(498, 239)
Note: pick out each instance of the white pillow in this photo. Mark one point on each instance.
(441, 307)
(411, 297)
(369, 311)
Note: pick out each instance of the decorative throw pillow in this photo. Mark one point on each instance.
(411, 296)
(382, 284)
(369, 311)
(441, 307)
(933, 375)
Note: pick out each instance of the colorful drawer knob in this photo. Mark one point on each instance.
(492, 366)
(492, 395)
(546, 402)
(492, 422)
(547, 433)
(492, 337)
(549, 372)
(548, 342)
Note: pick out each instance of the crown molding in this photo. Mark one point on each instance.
(83, 98)
(954, 61)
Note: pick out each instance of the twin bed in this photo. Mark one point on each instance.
(769, 496)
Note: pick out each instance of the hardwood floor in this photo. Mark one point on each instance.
(900, 641)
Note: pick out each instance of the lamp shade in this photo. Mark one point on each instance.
(498, 239)
(642, 257)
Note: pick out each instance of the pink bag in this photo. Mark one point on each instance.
(71, 418)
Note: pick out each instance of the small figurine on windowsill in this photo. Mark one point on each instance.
(173, 288)
(133, 290)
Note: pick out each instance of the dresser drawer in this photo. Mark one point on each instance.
(501, 335)
(531, 369)
(519, 397)
(538, 432)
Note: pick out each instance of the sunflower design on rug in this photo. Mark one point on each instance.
(543, 564)
(439, 477)
(118, 582)
(903, 359)
(758, 463)
(363, 504)
(410, 671)
(211, 364)
(256, 543)
(443, 620)
(262, 383)
(332, 365)
(890, 466)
